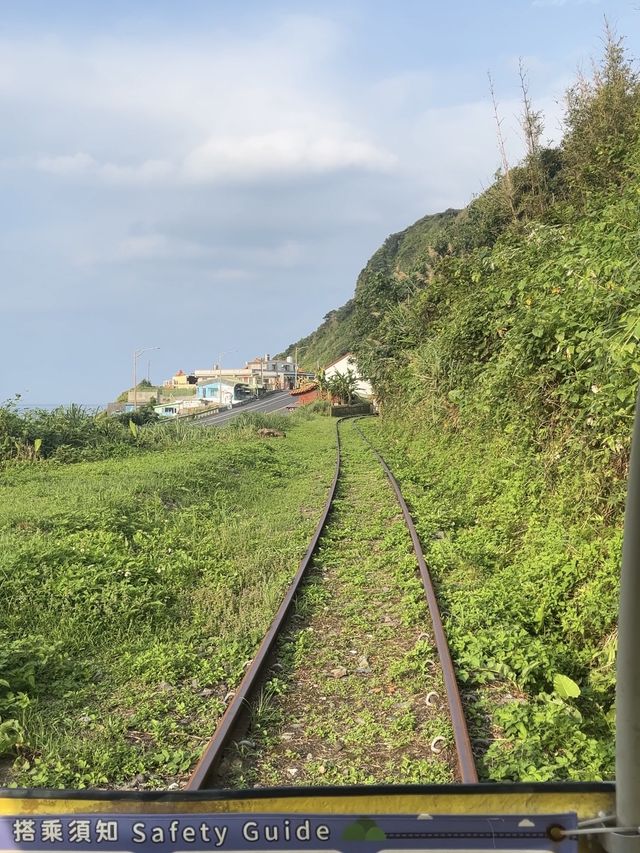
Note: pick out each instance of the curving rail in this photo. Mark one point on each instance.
(464, 752)
(209, 762)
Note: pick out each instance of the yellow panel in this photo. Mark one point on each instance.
(585, 804)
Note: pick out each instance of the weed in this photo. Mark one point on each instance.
(138, 589)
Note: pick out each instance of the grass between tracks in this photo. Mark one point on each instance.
(526, 568)
(134, 591)
(348, 702)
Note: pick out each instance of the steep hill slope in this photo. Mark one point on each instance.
(504, 345)
(379, 284)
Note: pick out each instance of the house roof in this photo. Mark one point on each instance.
(216, 382)
(304, 389)
(345, 355)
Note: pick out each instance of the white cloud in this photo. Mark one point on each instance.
(234, 158)
(220, 261)
(544, 3)
(150, 171)
(67, 164)
(160, 247)
(82, 164)
(406, 89)
(241, 158)
(164, 113)
(285, 255)
(281, 151)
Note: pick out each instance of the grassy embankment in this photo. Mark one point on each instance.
(357, 695)
(136, 589)
(527, 580)
(505, 356)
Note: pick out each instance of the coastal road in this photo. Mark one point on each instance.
(277, 402)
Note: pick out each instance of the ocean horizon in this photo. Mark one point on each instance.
(49, 407)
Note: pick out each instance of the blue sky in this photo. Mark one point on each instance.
(211, 176)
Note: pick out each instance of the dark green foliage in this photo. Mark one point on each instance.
(144, 415)
(343, 386)
(506, 363)
(602, 124)
(74, 434)
(526, 574)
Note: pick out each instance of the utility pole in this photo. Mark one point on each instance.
(136, 355)
(226, 352)
(628, 667)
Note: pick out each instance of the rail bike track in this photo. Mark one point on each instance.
(204, 773)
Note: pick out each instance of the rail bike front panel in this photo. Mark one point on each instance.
(378, 820)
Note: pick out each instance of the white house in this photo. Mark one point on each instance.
(348, 362)
(225, 393)
(177, 407)
(217, 392)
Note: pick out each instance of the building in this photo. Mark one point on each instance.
(182, 407)
(167, 410)
(348, 362)
(217, 392)
(262, 373)
(178, 380)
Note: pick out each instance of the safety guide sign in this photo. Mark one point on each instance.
(235, 832)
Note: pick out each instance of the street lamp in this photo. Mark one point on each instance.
(226, 352)
(136, 355)
(295, 365)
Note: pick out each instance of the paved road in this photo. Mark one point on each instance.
(277, 402)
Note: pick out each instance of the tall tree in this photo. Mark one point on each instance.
(601, 118)
(532, 124)
(505, 177)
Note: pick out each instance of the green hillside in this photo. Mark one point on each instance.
(388, 267)
(503, 343)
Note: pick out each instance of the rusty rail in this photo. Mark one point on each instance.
(464, 752)
(213, 753)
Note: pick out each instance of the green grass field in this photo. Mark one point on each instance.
(136, 589)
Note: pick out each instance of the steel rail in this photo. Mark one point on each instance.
(466, 762)
(213, 752)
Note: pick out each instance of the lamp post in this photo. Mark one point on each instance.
(136, 355)
(226, 352)
(295, 365)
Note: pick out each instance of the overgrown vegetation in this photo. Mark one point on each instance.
(74, 434)
(138, 586)
(505, 357)
(527, 577)
(502, 341)
(356, 691)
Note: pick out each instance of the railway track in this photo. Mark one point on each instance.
(237, 715)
